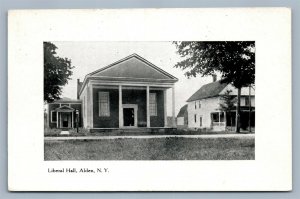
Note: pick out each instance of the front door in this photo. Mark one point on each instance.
(66, 120)
(128, 115)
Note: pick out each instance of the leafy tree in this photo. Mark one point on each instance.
(235, 61)
(227, 104)
(57, 72)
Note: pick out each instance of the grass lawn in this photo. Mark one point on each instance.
(152, 149)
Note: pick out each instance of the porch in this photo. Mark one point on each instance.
(65, 117)
(221, 121)
(128, 106)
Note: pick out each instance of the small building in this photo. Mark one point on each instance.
(63, 113)
(204, 108)
(129, 93)
(182, 117)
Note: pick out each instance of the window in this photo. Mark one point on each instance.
(215, 117)
(195, 105)
(153, 104)
(218, 117)
(247, 101)
(200, 121)
(104, 104)
(195, 118)
(53, 116)
(199, 104)
(222, 117)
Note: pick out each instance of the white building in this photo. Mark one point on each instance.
(204, 108)
(182, 117)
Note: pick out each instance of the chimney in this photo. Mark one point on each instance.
(78, 87)
(214, 77)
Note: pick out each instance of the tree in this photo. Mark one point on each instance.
(227, 104)
(235, 61)
(57, 72)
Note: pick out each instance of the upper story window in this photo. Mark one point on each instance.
(199, 104)
(104, 104)
(195, 104)
(153, 104)
(247, 102)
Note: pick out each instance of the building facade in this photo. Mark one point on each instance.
(64, 113)
(182, 117)
(129, 93)
(204, 108)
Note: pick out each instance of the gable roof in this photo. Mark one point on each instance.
(208, 90)
(64, 109)
(132, 66)
(182, 111)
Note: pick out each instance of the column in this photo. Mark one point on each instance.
(225, 119)
(173, 107)
(91, 106)
(165, 108)
(148, 106)
(72, 115)
(57, 119)
(88, 107)
(120, 107)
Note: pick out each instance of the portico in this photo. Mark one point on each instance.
(130, 93)
(147, 88)
(65, 117)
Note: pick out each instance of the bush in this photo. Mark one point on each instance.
(73, 132)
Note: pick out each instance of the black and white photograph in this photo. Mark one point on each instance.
(150, 99)
(180, 100)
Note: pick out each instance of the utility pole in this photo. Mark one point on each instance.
(249, 108)
(77, 119)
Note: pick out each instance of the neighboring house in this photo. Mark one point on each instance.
(204, 108)
(182, 117)
(129, 93)
(62, 113)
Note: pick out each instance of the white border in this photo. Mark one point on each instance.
(269, 27)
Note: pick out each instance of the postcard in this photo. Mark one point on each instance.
(150, 100)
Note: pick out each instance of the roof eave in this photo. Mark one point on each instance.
(192, 100)
(125, 79)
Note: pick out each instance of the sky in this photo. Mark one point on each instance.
(90, 56)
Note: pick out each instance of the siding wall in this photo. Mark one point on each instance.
(128, 97)
(207, 106)
(51, 107)
(83, 99)
(111, 121)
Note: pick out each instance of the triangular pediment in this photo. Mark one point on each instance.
(64, 108)
(133, 66)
